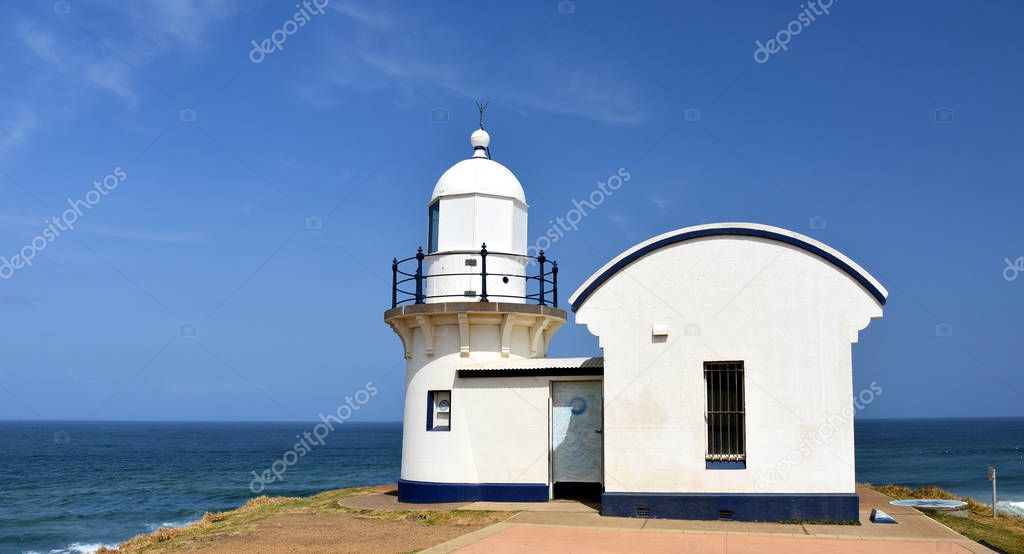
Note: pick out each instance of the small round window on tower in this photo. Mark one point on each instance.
(504, 279)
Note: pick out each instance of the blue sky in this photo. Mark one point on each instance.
(225, 159)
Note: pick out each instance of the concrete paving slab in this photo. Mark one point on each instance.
(557, 539)
(870, 498)
(466, 540)
(917, 526)
(726, 526)
(389, 501)
(577, 520)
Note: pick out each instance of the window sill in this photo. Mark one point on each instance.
(708, 464)
(445, 428)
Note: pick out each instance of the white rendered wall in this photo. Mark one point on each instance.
(789, 315)
(465, 223)
(499, 426)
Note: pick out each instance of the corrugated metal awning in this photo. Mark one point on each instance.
(535, 367)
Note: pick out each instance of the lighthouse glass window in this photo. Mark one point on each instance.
(434, 219)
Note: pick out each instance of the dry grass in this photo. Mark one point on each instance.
(240, 521)
(1005, 532)
(211, 523)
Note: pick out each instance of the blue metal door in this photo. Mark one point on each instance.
(576, 432)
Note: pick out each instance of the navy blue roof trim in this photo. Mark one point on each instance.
(532, 372)
(720, 231)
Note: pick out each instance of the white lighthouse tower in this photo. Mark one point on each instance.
(473, 297)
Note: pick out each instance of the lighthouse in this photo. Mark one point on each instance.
(472, 296)
(724, 347)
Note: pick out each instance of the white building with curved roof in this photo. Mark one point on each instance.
(725, 389)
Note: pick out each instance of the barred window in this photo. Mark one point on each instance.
(725, 412)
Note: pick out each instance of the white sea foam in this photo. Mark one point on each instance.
(1011, 507)
(78, 548)
(91, 548)
(169, 524)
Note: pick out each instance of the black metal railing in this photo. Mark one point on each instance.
(408, 274)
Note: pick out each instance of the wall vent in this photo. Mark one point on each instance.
(643, 512)
(725, 515)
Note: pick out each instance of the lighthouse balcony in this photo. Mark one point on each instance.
(474, 275)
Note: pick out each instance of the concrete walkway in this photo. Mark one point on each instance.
(512, 538)
(389, 501)
(586, 531)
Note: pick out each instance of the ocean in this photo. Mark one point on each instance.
(68, 487)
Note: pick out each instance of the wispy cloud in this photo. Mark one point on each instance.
(139, 31)
(373, 51)
(167, 237)
(15, 126)
(78, 61)
(111, 76)
(364, 14)
(20, 300)
(660, 202)
(175, 24)
(22, 220)
(577, 93)
(619, 220)
(162, 237)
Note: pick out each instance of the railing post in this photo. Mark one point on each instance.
(541, 259)
(394, 282)
(483, 272)
(419, 275)
(554, 283)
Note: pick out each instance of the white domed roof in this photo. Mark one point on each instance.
(479, 174)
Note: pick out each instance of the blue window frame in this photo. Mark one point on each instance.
(439, 410)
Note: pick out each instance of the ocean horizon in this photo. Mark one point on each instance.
(398, 421)
(72, 486)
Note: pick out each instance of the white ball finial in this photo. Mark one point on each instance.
(480, 138)
(480, 141)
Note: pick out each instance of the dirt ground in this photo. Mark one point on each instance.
(320, 523)
(308, 533)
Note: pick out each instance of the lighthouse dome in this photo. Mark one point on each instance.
(479, 175)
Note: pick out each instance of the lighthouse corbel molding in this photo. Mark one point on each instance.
(423, 327)
(427, 330)
(506, 334)
(463, 334)
(405, 333)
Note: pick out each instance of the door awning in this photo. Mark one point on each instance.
(535, 367)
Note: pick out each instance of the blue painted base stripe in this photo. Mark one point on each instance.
(725, 465)
(743, 507)
(421, 492)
